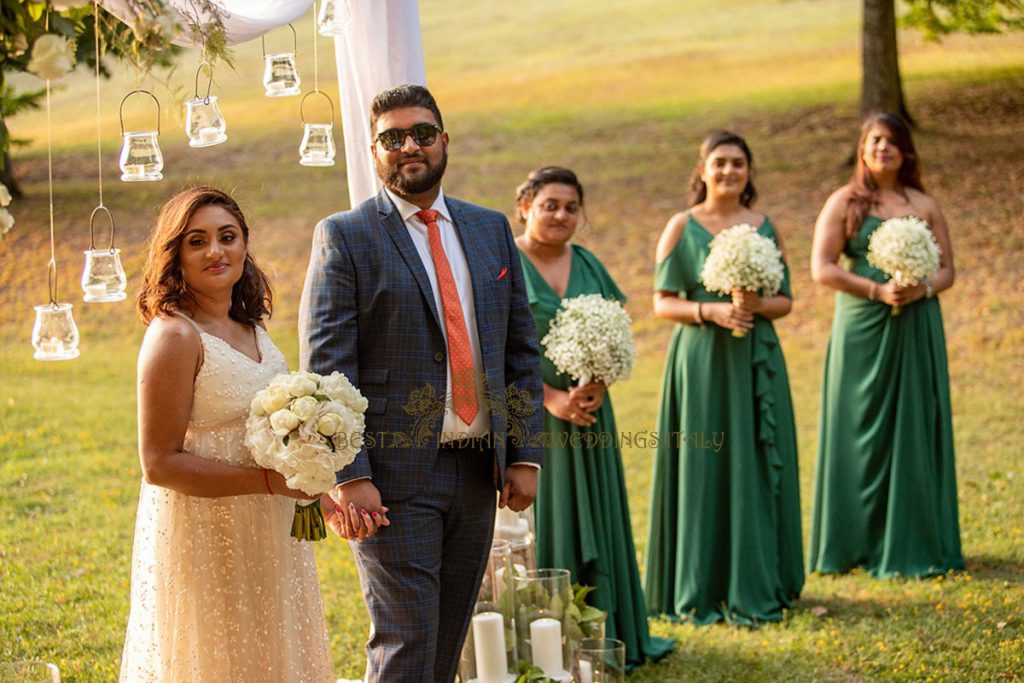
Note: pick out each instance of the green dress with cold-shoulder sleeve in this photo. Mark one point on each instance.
(885, 491)
(582, 512)
(724, 541)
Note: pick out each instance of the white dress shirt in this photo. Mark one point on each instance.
(453, 427)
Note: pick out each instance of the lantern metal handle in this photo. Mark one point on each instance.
(92, 234)
(51, 277)
(120, 110)
(295, 42)
(209, 83)
(315, 92)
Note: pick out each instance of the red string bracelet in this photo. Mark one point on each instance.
(266, 480)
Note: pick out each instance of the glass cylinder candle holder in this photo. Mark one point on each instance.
(543, 621)
(335, 18)
(206, 126)
(55, 335)
(601, 660)
(29, 672)
(489, 654)
(517, 529)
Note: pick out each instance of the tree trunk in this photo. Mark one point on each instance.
(881, 86)
(8, 179)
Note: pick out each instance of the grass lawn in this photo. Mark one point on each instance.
(623, 93)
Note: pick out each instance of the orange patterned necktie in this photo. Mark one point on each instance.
(460, 353)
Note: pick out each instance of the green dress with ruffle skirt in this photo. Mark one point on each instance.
(724, 541)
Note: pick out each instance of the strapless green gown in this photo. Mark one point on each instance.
(885, 491)
(582, 512)
(724, 540)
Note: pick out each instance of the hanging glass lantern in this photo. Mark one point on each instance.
(335, 18)
(103, 278)
(280, 75)
(205, 125)
(54, 335)
(141, 158)
(317, 148)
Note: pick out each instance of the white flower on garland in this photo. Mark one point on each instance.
(905, 249)
(51, 57)
(740, 258)
(6, 222)
(589, 339)
(306, 427)
(5, 196)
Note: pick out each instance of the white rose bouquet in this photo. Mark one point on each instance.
(906, 250)
(307, 427)
(740, 258)
(590, 339)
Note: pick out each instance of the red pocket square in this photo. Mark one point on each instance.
(503, 273)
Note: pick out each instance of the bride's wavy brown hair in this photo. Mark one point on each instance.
(164, 290)
(863, 185)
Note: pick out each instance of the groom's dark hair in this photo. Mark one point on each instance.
(403, 97)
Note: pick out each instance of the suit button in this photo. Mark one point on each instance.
(438, 357)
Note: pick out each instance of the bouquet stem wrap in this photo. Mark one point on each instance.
(308, 523)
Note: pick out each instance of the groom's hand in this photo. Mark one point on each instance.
(359, 513)
(520, 487)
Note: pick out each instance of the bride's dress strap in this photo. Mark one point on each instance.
(191, 322)
(200, 331)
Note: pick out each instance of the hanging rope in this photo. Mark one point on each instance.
(99, 146)
(316, 69)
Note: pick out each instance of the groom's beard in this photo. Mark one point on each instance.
(418, 183)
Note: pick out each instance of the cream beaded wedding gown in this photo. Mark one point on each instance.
(220, 591)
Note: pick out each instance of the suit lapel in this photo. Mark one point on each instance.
(395, 226)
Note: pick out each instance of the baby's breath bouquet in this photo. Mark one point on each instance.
(906, 250)
(589, 339)
(307, 427)
(740, 258)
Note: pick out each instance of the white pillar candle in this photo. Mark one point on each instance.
(586, 672)
(135, 170)
(489, 647)
(546, 642)
(95, 290)
(51, 347)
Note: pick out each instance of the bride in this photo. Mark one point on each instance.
(220, 591)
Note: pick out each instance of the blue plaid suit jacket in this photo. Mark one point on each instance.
(368, 311)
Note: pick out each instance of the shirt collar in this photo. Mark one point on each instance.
(408, 210)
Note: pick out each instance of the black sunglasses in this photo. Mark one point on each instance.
(423, 134)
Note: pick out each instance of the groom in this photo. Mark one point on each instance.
(414, 296)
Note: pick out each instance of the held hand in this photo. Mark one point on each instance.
(894, 295)
(564, 406)
(728, 316)
(747, 300)
(520, 487)
(360, 513)
(590, 396)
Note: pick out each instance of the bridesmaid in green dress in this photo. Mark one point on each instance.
(724, 540)
(885, 495)
(582, 515)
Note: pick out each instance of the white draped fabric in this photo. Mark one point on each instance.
(246, 19)
(383, 49)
